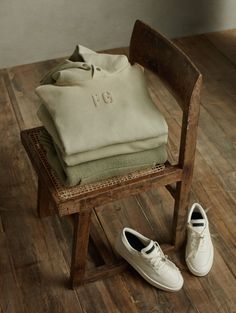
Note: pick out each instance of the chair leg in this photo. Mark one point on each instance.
(82, 223)
(43, 202)
(182, 198)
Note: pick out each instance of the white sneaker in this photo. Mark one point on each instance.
(148, 259)
(199, 249)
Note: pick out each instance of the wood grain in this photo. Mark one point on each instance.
(30, 255)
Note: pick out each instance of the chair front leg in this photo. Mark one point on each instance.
(82, 221)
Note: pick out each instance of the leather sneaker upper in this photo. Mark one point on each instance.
(149, 260)
(199, 248)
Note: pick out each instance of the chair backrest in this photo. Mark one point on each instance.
(157, 53)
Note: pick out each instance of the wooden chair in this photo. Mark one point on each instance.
(155, 52)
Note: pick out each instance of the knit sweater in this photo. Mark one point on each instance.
(100, 169)
(104, 152)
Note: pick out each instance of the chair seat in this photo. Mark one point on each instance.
(61, 193)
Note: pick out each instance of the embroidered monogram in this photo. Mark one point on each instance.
(96, 99)
(105, 97)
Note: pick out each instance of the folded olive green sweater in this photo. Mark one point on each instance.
(100, 169)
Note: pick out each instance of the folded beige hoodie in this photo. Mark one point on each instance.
(100, 108)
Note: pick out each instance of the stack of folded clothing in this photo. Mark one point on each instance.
(99, 118)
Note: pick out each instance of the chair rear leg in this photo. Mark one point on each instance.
(43, 202)
(182, 198)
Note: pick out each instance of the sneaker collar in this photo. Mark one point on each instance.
(153, 253)
(198, 225)
(149, 248)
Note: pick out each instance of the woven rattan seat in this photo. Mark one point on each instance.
(30, 139)
(158, 54)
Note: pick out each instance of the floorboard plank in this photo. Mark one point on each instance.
(225, 42)
(11, 299)
(37, 264)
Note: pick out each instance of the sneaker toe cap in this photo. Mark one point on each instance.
(200, 265)
(172, 279)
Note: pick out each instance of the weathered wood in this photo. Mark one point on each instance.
(169, 175)
(33, 270)
(102, 272)
(82, 223)
(154, 51)
(44, 206)
(10, 296)
(186, 161)
(157, 53)
(105, 296)
(100, 239)
(225, 42)
(171, 189)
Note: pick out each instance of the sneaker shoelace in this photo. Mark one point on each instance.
(197, 241)
(156, 259)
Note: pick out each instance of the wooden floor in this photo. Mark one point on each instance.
(35, 254)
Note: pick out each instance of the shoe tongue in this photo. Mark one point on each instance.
(149, 248)
(199, 224)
